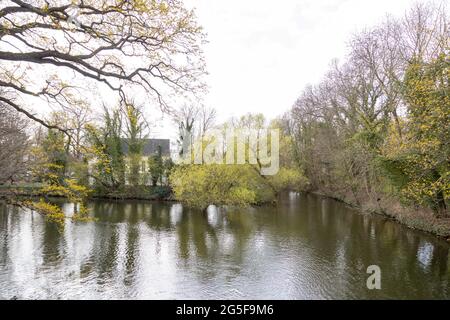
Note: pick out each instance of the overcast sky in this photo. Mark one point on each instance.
(262, 53)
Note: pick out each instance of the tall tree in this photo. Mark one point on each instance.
(342, 127)
(420, 164)
(141, 46)
(107, 152)
(54, 147)
(134, 132)
(186, 118)
(156, 167)
(14, 145)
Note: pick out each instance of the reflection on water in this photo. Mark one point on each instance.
(307, 247)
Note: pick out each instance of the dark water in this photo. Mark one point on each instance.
(305, 248)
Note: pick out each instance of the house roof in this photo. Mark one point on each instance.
(150, 147)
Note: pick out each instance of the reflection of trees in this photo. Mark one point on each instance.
(205, 232)
(413, 264)
(106, 242)
(183, 234)
(440, 263)
(193, 230)
(213, 242)
(132, 245)
(352, 242)
(159, 219)
(4, 229)
(196, 235)
(52, 242)
(240, 225)
(117, 230)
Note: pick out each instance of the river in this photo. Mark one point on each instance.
(306, 247)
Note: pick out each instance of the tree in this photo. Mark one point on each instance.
(420, 165)
(77, 115)
(50, 166)
(185, 118)
(200, 186)
(14, 145)
(207, 119)
(168, 166)
(238, 184)
(156, 167)
(366, 110)
(54, 147)
(133, 47)
(106, 152)
(135, 126)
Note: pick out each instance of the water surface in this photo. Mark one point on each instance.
(306, 247)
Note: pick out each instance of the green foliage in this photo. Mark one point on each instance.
(168, 167)
(106, 152)
(51, 167)
(135, 127)
(288, 179)
(230, 185)
(161, 192)
(419, 166)
(156, 168)
(202, 185)
(238, 184)
(80, 171)
(159, 168)
(54, 152)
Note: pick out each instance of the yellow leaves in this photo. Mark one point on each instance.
(80, 191)
(57, 185)
(395, 140)
(230, 185)
(288, 179)
(422, 156)
(163, 8)
(55, 214)
(202, 185)
(51, 212)
(45, 7)
(424, 191)
(132, 116)
(242, 196)
(140, 5)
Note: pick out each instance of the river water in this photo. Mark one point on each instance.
(306, 247)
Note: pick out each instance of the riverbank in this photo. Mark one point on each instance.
(421, 219)
(150, 193)
(415, 218)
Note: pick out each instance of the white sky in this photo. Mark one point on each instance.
(262, 53)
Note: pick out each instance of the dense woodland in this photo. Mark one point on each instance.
(377, 128)
(374, 133)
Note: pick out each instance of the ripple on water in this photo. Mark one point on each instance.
(304, 249)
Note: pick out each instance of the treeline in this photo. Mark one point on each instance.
(115, 172)
(377, 127)
(376, 130)
(241, 183)
(107, 157)
(84, 157)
